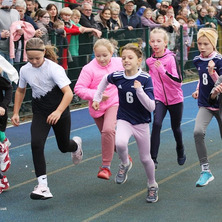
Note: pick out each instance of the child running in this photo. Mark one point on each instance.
(208, 64)
(167, 83)
(51, 96)
(105, 117)
(5, 99)
(136, 102)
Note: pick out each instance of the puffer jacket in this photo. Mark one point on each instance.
(167, 79)
(89, 79)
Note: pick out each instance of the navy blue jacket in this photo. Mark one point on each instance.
(134, 20)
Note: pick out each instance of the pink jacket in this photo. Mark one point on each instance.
(166, 79)
(89, 79)
(29, 32)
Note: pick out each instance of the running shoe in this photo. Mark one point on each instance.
(41, 192)
(78, 154)
(152, 195)
(4, 184)
(5, 161)
(121, 176)
(205, 178)
(104, 173)
(181, 157)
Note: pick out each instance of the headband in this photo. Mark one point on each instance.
(35, 49)
(210, 33)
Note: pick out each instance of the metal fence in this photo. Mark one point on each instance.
(140, 37)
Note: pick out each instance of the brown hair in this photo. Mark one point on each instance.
(133, 48)
(57, 23)
(38, 45)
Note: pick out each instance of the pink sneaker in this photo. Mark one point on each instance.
(5, 161)
(4, 184)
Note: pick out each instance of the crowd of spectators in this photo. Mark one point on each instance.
(119, 19)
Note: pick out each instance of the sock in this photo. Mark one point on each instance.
(43, 180)
(205, 167)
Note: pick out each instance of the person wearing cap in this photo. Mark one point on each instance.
(129, 17)
(162, 10)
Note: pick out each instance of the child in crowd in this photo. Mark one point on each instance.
(51, 96)
(208, 64)
(74, 42)
(5, 99)
(167, 81)
(61, 40)
(116, 48)
(210, 19)
(85, 88)
(136, 102)
(183, 22)
(42, 21)
(71, 29)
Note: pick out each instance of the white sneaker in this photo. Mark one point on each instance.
(41, 192)
(5, 161)
(78, 154)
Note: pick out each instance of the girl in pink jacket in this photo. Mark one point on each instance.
(105, 117)
(168, 94)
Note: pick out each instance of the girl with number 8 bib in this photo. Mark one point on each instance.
(209, 66)
(136, 102)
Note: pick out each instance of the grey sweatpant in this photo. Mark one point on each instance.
(204, 116)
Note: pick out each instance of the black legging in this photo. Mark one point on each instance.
(39, 132)
(176, 112)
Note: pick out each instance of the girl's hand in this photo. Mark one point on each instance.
(217, 90)
(195, 94)
(159, 66)
(137, 84)
(54, 117)
(15, 120)
(95, 105)
(157, 63)
(211, 66)
(5, 34)
(2, 111)
(105, 97)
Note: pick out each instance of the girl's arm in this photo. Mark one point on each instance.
(213, 74)
(173, 73)
(74, 30)
(148, 103)
(196, 93)
(19, 96)
(66, 100)
(83, 83)
(99, 93)
(216, 91)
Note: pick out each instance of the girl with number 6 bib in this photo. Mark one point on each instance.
(136, 102)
